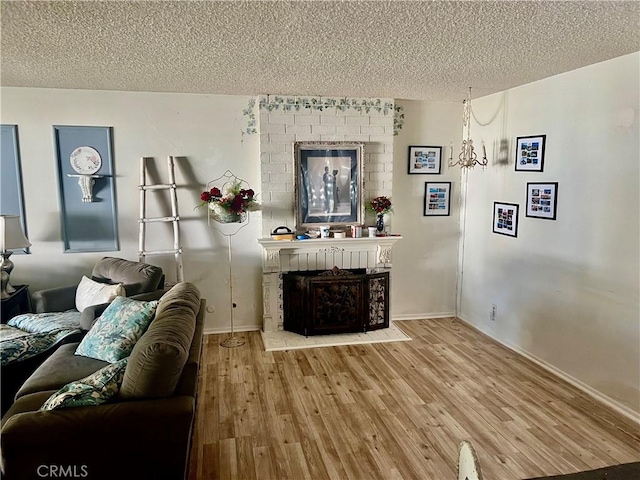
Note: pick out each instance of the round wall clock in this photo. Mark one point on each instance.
(85, 160)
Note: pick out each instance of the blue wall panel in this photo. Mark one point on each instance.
(86, 227)
(11, 197)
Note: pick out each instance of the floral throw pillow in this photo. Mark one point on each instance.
(114, 334)
(95, 389)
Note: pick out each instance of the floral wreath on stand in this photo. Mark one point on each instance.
(380, 206)
(230, 202)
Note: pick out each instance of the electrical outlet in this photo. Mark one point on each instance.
(494, 311)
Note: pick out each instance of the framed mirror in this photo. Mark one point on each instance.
(328, 184)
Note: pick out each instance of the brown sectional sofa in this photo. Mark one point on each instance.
(145, 433)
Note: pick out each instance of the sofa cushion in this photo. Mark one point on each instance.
(17, 345)
(59, 369)
(46, 322)
(137, 277)
(28, 403)
(114, 334)
(93, 293)
(188, 384)
(157, 360)
(95, 389)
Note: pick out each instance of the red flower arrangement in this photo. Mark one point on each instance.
(232, 204)
(380, 205)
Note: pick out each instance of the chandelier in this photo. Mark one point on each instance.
(468, 157)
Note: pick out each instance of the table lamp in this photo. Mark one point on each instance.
(11, 237)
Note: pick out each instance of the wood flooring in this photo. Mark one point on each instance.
(396, 411)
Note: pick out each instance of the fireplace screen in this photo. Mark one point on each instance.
(335, 301)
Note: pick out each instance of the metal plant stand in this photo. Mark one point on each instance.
(229, 229)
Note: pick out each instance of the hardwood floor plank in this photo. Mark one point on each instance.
(541, 455)
(211, 461)
(226, 421)
(320, 452)
(397, 443)
(395, 411)
(556, 445)
(316, 444)
(262, 461)
(297, 461)
(370, 437)
(246, 468)
(228, 460)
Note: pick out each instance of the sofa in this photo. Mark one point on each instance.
(144, 432)
(141, 281)
(137, 278)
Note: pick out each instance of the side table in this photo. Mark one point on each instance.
(19, 302)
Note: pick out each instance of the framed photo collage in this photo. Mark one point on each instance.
(541, 197)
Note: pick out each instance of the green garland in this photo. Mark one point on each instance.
(295, 104)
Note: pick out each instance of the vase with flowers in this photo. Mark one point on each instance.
(380, 206)
(230, 203)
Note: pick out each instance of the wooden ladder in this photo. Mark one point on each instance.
(174, 218)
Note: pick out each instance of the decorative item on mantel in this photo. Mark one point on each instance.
(228, 207)
(380, 206)
(468, 157)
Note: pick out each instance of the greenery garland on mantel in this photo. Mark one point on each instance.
(296, 104)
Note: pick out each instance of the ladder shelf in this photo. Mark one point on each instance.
(174, 218)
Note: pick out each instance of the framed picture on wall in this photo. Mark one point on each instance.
(328, 183)
(425, 160)
(542, 200)
(530, 153)
(505, 218)
(437, 199)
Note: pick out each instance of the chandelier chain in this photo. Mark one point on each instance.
(468, 157)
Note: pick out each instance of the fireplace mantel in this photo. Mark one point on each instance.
(281, 256)
(325, 253)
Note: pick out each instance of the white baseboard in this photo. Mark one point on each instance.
(588, 389)
(246, 328)
(421, 316)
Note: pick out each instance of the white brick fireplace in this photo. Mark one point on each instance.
(280, 256)
(285, 120)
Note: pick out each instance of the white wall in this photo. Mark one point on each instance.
(567, 291)
(206, 129)
(424, 261)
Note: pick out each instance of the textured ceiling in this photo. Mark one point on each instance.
(405, 50)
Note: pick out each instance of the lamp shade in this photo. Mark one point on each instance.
(11, 234)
